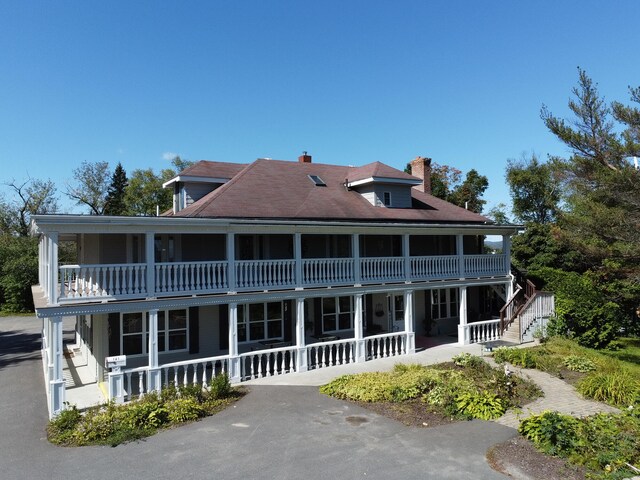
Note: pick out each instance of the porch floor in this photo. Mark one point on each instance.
(81, 389)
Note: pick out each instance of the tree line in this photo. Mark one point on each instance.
(93, 187)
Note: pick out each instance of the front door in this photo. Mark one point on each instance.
(396, 313)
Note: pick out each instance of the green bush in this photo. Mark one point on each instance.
(580, 364)
(484, 405)
(184, 410)
(521, 357)
(617, 388)
(467, 360)
(220, 386)
(552, 432)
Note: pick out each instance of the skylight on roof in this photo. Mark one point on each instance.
(317, 180)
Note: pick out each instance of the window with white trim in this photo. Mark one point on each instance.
(260, 321)
(173, 332)
(337, 314)
(444, 303)
(386, 199)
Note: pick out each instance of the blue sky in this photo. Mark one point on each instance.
(350, 82)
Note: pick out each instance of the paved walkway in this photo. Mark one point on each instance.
(558, 396)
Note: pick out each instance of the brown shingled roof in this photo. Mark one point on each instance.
(380, 170)
(205, 168)
(276, 189)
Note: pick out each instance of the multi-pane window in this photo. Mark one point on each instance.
(386, 199)
(337, 313)
(398, 308)
(260, 321)
(444, 303)
(173, 332)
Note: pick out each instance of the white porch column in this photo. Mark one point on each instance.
(53, 268)
(231, 262)
(460, 252)
(56, 382)
(463, 331)
(234, 359)
(154, 377)
(150, 258)
(355, 253)
(407, 258)
(297, 251)
(301, 363)
(409, 318)
(358, 329)
(506, 252)
(40, 258)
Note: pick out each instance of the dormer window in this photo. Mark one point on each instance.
(386, 199)
(318, 182)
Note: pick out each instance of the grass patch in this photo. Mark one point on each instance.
(467, 388)
(113, 424)
(611, 376)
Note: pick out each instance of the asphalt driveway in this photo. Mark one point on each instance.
(274, 432)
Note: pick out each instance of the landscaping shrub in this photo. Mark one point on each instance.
(482, 405)
(113, 424)
(579, 364)
(521, 357)
(552, 432)
(603, 443)
(467, 360)
(617, 388)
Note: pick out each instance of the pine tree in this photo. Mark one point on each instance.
(115, 204)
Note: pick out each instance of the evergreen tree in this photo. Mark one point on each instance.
(115, 204)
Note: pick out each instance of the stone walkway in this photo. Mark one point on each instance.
(558, 396)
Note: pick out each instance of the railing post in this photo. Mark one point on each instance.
(408, 322)
(53, 268)
(231, 262)
(234, 359)
(154, 380)
(460, 253)
(56, 381)
(150, 257)
(506, 252)
(357, 267)
(116, 385)
(301, 361)
(463, 329)
(406, 251)
(297, 251)
(358, 330)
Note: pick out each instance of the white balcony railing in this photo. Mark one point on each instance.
(186, 277)
(327, 271)
(90, 281)
(435, 267)
(382, 269)
(87, 282)
(252, 274)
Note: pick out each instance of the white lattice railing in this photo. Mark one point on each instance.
(484, 331)
(385, 345)
(188, 372)
(180, 277)
(382, 269)
(265, 273)
(267, 363)
(482, 265)
(540, 305)
(91, 281)
(435, 267)
(327, 271)
(328, 354)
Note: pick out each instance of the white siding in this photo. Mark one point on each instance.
(374, 193)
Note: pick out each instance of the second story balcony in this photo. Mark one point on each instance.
(171, 266)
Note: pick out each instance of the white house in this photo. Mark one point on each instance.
(267, 268)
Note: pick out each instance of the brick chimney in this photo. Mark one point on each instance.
(304, 158)
(421, 168)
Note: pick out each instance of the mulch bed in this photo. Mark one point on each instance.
(412, 413)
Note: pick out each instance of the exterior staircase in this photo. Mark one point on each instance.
(527, 310)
